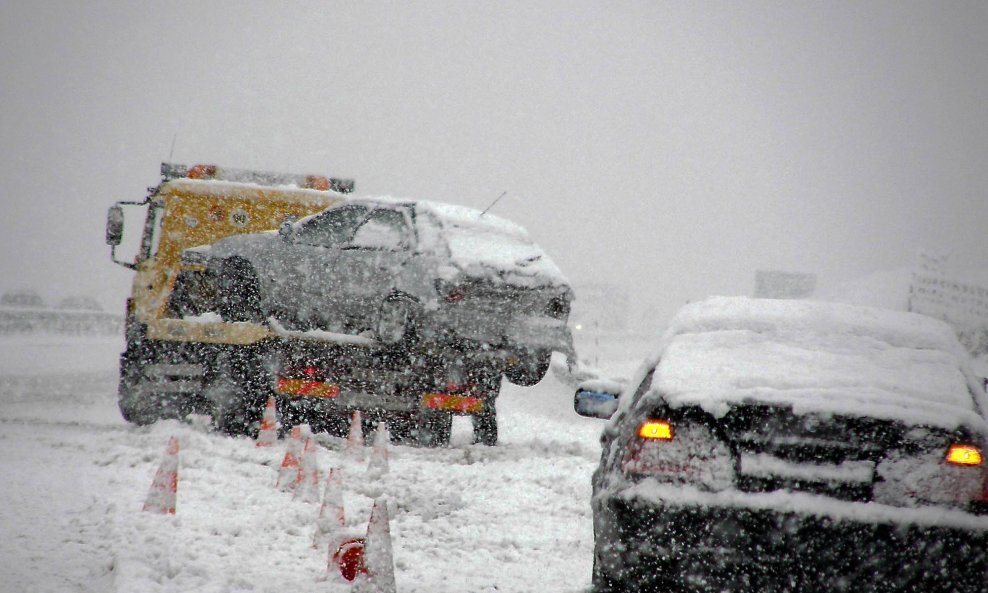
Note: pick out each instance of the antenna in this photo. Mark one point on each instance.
(172, 151)
(494, 202)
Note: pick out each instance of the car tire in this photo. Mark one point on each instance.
(395, 321)
(239, 292)
(531, 367)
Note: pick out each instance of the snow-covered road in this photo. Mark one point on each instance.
(511, 518)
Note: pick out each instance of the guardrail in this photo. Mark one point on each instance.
(15, 320)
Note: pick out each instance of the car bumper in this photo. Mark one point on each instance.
(648, 545)
(501, 331)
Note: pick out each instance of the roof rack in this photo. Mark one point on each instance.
(170, 171)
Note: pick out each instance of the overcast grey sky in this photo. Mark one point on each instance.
(673, 147)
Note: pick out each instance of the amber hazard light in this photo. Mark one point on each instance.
(964, 455)
(656, 429)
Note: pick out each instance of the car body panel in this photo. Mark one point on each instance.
(333, 270)
(830, 473)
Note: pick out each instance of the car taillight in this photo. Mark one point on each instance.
(450, 292)
(456, 295)
(952, 477)
(684, 453)
(965, 455)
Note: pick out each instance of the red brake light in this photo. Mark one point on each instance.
(967, 455)
(456, 295)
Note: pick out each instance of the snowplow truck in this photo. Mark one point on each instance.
(182, 358)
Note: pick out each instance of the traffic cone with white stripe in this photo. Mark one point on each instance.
(355, 438)
(378, 553)
(332, 517)
(164, 489)
(269, 425)
(307, 488)
(378, 465)
(288, 473)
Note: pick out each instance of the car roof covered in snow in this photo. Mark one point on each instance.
(817, 357)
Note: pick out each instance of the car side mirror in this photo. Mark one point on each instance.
(594, 403)
(287, 231)
(114, 225)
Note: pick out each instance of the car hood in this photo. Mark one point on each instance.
(247, 244)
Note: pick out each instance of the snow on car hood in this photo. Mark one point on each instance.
(486, 246)
(817, 357)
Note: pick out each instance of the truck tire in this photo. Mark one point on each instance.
(141, 400)
(234, 389)
(531, 367)
(133, 394)
(433, 428)
(485, 422)
(485, 426)
(239, 292)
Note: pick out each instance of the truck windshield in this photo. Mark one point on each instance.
(152, 233)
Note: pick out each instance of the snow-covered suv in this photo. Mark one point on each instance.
(794, 446)
(406, 271)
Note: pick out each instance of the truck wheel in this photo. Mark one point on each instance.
(433, 429)
(239, 292)
(235, 392)
(225, 395)
(485, 426)
(485, 422)
(133, 395)
(395, 321)
(530, 368)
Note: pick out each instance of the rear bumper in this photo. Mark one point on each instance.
(641, 545)
(501, 331)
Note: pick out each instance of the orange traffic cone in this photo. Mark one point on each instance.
(355, 439)
(288, 473)
(378, 554)
(332, 517)
(269, 425)
(378, 465)
(307, 487)
(348, 558)
(164, 488)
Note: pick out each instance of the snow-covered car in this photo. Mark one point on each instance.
(778, 445)
(406, 271)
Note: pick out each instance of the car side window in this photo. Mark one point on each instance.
(331, 228)
(383, 229)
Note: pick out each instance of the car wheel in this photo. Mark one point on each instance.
(239, 292)
(395, 321)
(529, 369)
